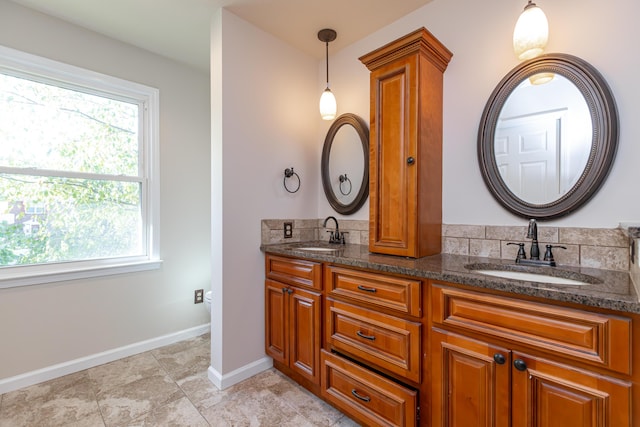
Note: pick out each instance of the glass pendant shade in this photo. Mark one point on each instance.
(328, 105)
(531, 32)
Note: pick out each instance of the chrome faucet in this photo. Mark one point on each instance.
(334, 236)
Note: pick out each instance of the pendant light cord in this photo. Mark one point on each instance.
(327, 57)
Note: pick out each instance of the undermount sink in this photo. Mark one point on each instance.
(317, 249)
(576, 279)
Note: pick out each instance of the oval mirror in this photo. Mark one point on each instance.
(345, 164)
(548, 136)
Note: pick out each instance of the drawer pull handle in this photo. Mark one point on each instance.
(364, 288)
(366, 337)
(357, 396)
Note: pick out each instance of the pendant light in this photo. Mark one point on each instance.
(328, 106)
(531, 32)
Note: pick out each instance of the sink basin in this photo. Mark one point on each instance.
(558, 277)
(532, 277)
(317, 249)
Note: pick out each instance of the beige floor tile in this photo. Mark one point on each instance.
(201, 391)
(123, 371)
(185, 362)
(251, 407)
(179, 413)
(67, 403)
(166, 387)
(123, 404)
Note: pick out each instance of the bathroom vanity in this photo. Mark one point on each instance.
(429, 341)
(397, 334)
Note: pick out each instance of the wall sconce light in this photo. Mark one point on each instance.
(328, 105)
(531, 32)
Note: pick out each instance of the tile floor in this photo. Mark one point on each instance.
(165, 387)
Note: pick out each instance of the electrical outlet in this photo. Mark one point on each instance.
(198, 296)
(288, 230)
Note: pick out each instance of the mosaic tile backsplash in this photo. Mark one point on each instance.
(587, 247)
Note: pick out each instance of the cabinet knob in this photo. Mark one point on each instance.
(520, 365)
(289, 291)
(499, 358)
(410, 160)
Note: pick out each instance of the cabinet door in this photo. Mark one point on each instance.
(305, 329)
(546, 394)
(470, 382)
(276, 321)
(393, 177)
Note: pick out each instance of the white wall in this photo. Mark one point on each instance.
(44, 325)
(479, 35)
(264, 120)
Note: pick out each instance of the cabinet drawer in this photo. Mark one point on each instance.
(598, 339)
(383, 291)
(293, 271)
(387, 341)
(366, 395)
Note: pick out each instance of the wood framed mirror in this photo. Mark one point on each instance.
(345, 164)
(548, 136)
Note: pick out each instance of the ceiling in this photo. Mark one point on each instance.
(179, 29)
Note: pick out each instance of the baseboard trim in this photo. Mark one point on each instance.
(76, 365)
(240, 374)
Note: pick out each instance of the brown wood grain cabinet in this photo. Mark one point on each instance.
(365, 395)
(293, 317)
(373, 342)
(509, 362)
(405, 145)
(401, 351)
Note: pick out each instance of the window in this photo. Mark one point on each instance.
(78, 172)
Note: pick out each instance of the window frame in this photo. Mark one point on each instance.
(21, 64)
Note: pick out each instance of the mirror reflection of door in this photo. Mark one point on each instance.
(528, 152)
(543, 140)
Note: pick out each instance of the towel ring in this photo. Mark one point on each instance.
(288, 173)
(343, 180)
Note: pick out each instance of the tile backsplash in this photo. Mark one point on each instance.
(587, 247)
(357, 231)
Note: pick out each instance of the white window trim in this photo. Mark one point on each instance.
(25, 63)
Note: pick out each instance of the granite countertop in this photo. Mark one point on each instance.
(608, 289)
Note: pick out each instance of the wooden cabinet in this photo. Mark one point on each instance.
(405, 163)
(469, 388)
(366, 395)
(391, 343)
(293, 316)
(367, 315)
(548, 394)
(494, 367)
(374, 319)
